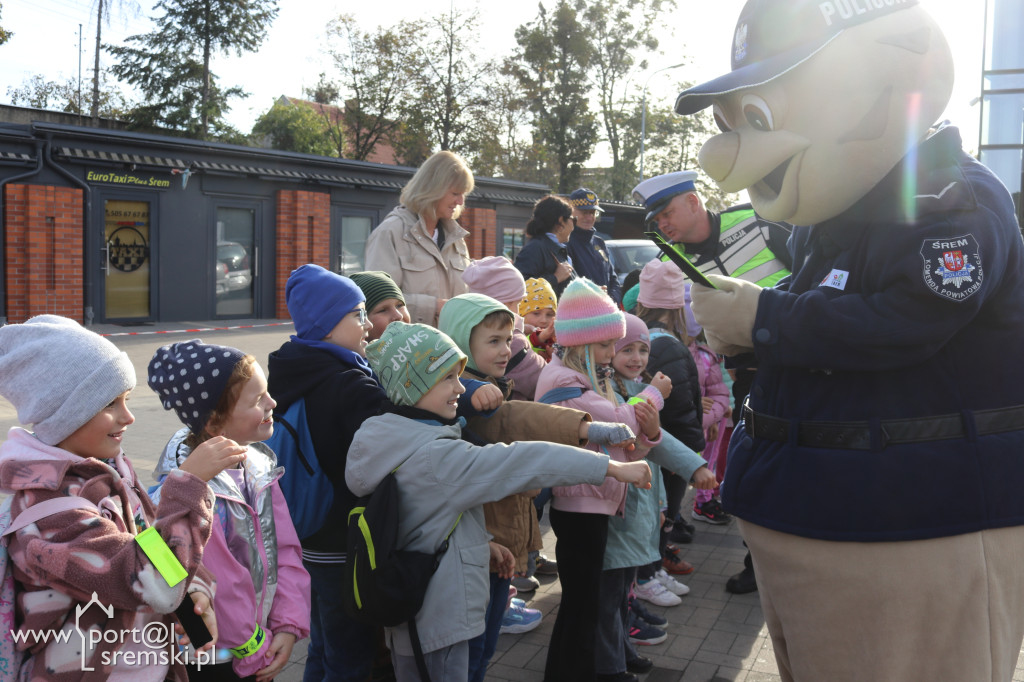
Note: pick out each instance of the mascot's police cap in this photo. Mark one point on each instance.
(774, 36)
(655, 193)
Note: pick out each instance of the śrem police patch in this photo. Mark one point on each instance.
(952, 267)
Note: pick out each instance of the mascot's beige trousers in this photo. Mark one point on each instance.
(948, 609)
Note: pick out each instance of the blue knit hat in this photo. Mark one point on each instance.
(190, 378)
(317, 299)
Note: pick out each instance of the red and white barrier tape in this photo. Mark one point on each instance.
(200, 329)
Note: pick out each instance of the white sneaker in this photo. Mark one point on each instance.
(654, 592)
(670, 583)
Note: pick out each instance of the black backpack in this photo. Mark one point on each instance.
(382, 584)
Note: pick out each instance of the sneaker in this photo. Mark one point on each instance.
(710, 512)
(655, 592)
(642, 634)
(519, 619)
(676, 566)
(638, 609)
(639, 665)
(680, 534)
(525, 584)
(546, 566)
(671, 584)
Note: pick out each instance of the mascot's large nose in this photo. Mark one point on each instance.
(718, 155)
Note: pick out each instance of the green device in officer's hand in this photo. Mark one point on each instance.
(688, 268)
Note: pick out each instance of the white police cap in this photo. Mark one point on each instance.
(655, 193)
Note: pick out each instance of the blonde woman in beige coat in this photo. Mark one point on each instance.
(406, 243)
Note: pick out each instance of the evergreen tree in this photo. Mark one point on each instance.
(551, 64)
(171, 65)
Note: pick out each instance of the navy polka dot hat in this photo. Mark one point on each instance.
(189, 377)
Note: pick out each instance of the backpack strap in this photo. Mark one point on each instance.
(557, 395)
(514, 361)
(414, 633)
(40, 510)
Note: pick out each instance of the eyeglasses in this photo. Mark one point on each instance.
(573, 219)
(361, 315)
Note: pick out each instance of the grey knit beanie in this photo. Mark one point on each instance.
(59, 375)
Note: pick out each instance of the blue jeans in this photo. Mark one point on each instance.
(481, 647)
(340, 648)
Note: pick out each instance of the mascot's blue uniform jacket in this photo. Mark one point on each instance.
(902, 327)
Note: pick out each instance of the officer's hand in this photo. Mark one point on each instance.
(726, 313)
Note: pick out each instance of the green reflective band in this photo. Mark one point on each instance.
(161, 555)
(250, 647)
(635, 400)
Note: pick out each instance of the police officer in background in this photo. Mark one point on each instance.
(736, 243)
(587, 251)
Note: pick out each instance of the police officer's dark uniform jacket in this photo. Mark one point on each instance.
(915, 300)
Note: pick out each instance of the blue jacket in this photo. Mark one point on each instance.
(539, 258)
(895, 309)
(590, 259)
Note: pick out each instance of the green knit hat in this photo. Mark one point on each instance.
(410, 359)
(377, 286)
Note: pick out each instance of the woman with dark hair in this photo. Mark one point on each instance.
(545, 255)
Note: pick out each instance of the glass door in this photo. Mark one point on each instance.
(350, 228)
(236, 261)
(127, 260)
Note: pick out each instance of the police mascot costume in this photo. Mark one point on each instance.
(878, 474)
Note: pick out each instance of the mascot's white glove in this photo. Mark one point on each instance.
(726, 313)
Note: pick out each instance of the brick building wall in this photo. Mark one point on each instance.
(482, 224)
(303, 236)
(44, 232)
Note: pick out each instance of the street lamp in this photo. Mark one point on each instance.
(643, 114)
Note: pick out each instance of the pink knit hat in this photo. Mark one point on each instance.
(495, 276)
(587, 315)
(662, 285)
(636, 330)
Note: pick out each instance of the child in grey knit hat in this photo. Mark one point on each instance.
(83, 530)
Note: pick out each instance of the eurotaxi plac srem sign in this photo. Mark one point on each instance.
(128, 179)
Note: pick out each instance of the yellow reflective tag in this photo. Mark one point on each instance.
(161, 555)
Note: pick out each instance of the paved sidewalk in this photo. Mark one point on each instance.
(713, 635)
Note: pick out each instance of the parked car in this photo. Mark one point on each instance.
(236, 258)
(222, 278)
(631, 254)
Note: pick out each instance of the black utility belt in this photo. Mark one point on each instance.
(859, 435)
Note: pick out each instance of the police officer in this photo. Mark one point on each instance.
(737, 243)
(587, 251)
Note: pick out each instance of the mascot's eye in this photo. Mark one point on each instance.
(757, 113)
(720, 118)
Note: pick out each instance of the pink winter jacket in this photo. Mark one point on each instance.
(711, 383)
(66, 562)
(254, 553)
(609, 497)
(526, 372)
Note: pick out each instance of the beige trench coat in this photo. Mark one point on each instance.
(401, 247)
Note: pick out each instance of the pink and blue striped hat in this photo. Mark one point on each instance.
(587, 315)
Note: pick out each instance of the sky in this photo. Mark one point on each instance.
(698, 32)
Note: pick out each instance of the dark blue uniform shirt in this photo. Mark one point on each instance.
(910, 304)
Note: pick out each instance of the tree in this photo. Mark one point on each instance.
(65, 96)
(94, 111)
(4, 35)
(618, 31)
(452, 81)
(551, 64)
(293, 126)
(171, 66)
(374, 90)
(495, 144)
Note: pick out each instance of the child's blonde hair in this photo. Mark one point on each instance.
(581, 359)
(244, 370)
